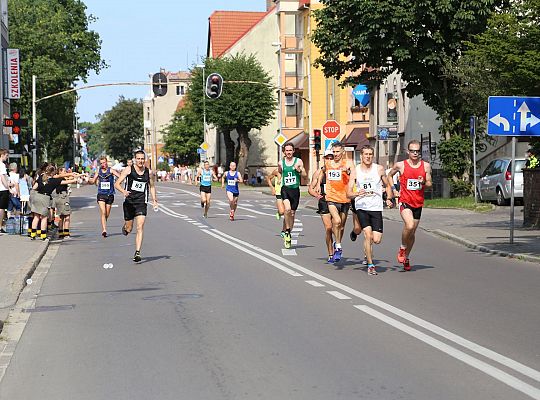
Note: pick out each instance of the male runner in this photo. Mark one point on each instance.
(368, 197)
(276, 191)
(317, 189)
(205, 176)
(290, 168)
(232, 177)
(338, 173)
(105, 196)
(139, 181)
(415, 176)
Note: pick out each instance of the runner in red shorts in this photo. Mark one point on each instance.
(415, 176)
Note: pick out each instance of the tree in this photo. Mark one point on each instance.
(418, 38)
(57, 46)
(247, 101)
(122, 128)
(184, 135)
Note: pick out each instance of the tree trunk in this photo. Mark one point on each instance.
(229, 147)
(245, 144)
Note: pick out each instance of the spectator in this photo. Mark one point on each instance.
(14, 206)
(259, 175)
(219, 171)
(25, 183)
(532, 160)
(4, 187)
(246, 176)
(253, 180)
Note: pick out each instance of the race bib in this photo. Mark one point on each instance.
(334, 174)
(105, 185)
(413, 184)
(368, 186)
(138, 186)
(289, 180)
(231, 182)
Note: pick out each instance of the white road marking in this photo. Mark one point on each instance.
(338, 295)
(458, 354)
(115, 206)
(490, 354)
(295, 229)
(294, 242)
(315, 283)
(288, 252)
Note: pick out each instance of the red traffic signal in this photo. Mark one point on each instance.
(16, 130)
(214, 85)
(15, 122)
(317, 139)
(16, 115)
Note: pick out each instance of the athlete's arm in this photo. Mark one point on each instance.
(351, 194)
(118, 184)
(153, 189)
(269, 181)
(115, 173)
(394, 170)
(68, 181)
(239, 177)
(387, 186)
(315, 182)
(427, 167)
(352, 173)
(300, 168)
(223, 180)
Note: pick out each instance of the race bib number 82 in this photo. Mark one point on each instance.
(138, 186)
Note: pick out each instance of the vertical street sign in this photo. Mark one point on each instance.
(472, 131)
(13, 75)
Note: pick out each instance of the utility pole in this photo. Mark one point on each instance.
(34, 129)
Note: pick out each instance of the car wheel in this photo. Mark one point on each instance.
(501, 201)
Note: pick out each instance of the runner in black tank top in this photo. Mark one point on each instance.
(139, 183)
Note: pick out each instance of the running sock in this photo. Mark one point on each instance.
(66, 233)
(338, 245)
(43, 235)
(31, 232)
(34, 232)
(60, 233)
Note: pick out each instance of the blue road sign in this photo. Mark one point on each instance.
(361, 93)
(328, 143)
(513, 116)
(161, 159)
(200, 151)
(472, 126)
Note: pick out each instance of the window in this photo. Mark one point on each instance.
(180, 90)
(488, 169)
(289, 99)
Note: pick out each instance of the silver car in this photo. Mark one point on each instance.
(494, 183)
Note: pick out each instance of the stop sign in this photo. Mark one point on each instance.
(331, 129)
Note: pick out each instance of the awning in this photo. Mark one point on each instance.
(357, 138)
(300, 141)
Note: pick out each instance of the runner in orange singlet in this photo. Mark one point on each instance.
(415, 176)
(338, 172)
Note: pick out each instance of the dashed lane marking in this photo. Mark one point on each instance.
(338, 295)
(315, 283)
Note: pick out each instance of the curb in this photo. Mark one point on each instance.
(24, 272)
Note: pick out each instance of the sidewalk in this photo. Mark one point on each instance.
(20, 257)
(487, 232)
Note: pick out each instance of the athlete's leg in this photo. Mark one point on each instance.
(357, 228)
(103, 215)
(343, 217)
(128, 225)
(230, 197)
(203, 198)
(368, 244)
(235, 203)
(207, 203)
(66, 220)
(139, 221)
(336, 223)
(327, 223)
(107, 211)
(280, 206)
(409, 228)
(289, 215)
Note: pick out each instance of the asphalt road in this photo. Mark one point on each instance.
(216, 310)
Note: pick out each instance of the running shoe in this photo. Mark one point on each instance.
(371, 270)
(282, 234)
(337, 254)
(104, 234)
(287, 240)
(353, 236)
(137, 256)
(401, 255)
(278, 217)
(124, 231)
(365, 261)
(330, 259)
(231, 215)
(407, 265)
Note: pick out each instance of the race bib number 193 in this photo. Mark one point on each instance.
(334, 174)
(138, 186)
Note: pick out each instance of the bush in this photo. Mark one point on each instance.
(460, 189)
(163, 166)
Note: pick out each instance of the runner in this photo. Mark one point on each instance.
(233, 177)
(276, 191)
(368, 197)
(338, 173)
(205, 176)
(105, 196)
(317, 189)
(415, 176)
(140, 181)
(290, 168)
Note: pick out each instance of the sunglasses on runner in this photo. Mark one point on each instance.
(414, 151)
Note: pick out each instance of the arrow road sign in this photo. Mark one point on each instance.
(513, 116)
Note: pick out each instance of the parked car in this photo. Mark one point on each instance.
(494, 183)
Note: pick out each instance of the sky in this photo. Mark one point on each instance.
(139, 37)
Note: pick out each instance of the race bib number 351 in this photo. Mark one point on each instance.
(138, 186)
(413, 184)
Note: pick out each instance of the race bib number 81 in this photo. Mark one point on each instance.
(138, 186)
(334, 174)
(413, 184)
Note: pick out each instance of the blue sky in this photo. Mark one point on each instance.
(139, 37)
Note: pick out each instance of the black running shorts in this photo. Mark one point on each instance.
(373, 219)
(416, 211)
(293, 195)
(205, 189)
(342, 208)
(4, 199)
(323, 207)
(132, 210)
(106, 198)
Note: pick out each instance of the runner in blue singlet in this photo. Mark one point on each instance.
(104, 180)
(232, 178)
(205, 176)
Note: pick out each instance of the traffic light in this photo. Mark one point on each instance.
(15, 122)
(317, 139)
(214, 85)
(159, 84)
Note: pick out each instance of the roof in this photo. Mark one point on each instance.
(303, 3)
(358, 137)
(226, 27)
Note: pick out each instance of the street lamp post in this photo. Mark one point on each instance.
(34, 129)
(201, 66)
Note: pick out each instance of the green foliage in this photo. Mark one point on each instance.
(122, 128)
(418, 38)
(455, 155)
(94, 138)
(56, 46)
(243, 106)
(184, 135)
(163, 166)
(460, 188)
